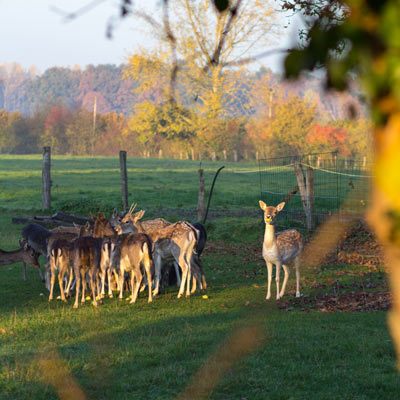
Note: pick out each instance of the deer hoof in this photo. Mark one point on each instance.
(110, 296)
(179, 295)
(298, 294)
(75, 306)
(268, 296)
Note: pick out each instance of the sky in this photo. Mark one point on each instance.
(33, 32)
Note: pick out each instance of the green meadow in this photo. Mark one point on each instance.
(154, 351)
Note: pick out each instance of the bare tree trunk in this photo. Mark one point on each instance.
(160, 155)
(224, 152)
(213, 156)
(257, 156)
(46, 178)
(235, 156)
(124, 179)
(305, 183)
(201, 198)
(192, 150)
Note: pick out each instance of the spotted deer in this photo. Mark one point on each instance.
(280, 249)
(172, 242)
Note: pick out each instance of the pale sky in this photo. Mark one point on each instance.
(33, 34)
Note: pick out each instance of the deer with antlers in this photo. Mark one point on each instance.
(280, 249)
(172, 242)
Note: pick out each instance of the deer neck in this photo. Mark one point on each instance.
(269, 235)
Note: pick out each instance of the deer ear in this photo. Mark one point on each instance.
(280, 206)
(263, 206)
(138, 215)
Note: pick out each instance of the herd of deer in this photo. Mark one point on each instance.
(125, 246)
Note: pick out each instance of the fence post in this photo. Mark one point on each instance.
(124, 179)
(201, 201)
(305, 183)
(46, 178)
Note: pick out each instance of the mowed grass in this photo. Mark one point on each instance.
(152, 351)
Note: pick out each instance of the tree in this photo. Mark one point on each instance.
(201, 45)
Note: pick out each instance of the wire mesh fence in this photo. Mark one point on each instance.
(338, 186)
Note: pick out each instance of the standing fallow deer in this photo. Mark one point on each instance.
(132, 222)
(280, 249)
(86, 259)
(60, 253)
(130, 251)
(174, 242)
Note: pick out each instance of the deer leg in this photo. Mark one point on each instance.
(61, 274)
(24, 271)
(277, 277)
(297, 266)
(103, 283)
(138, 275)
(285, 279)
(71, 277)
(110, 293)
(52, 282)
(83, 279)
(157, 275)
(147, 267)
(269, 270)
(77, 287)
(93, 281)
(184, 276)
(194, 285)
(188, 281)
(121, 282)
(178, 275)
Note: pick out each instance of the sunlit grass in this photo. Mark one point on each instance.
(145, 351)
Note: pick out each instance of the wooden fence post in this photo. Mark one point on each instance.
(305, 183)
(201, 198)
(124, 179)
(46, 178)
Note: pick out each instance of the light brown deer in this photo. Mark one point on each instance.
(60, 253)
(172, 242)
(280, 249)
(133, 251)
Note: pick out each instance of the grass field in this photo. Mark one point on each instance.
(153, 351)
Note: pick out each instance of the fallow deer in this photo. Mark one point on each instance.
(24, 254)
(60, 253)
(280, 249)
(132, 222)
(86, 259)
(130, 251)
(173, 242)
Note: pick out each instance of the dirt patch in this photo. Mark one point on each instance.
(348, 302)
(357, 246)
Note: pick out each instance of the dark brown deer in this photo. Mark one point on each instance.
(86, 259)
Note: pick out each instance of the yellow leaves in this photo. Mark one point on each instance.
(387, 166)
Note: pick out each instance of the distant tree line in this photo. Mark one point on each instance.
(238, 114)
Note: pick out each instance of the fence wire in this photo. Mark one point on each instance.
(335, 179)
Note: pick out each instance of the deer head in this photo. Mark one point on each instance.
(270, 212)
